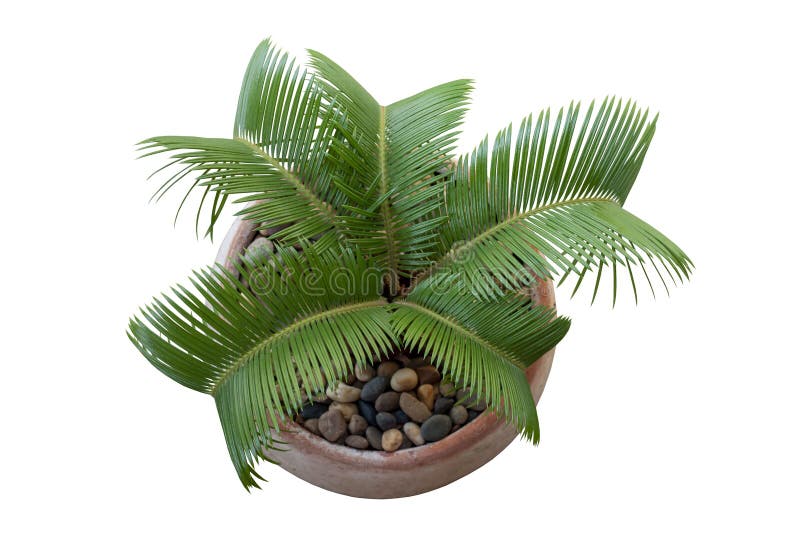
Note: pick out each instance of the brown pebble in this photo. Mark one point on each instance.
(312, 425)
(414, 409)
(332, 425)
(357, 425)
(428, 375)
(387, 401)
(391, 440)
(427, 394)
(357, 442)
(388, 368)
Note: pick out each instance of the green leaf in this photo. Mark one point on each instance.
(387, 158)
(550, 203)
(260, 356)
(276, 161)
(484, 345)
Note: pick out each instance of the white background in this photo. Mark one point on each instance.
(680, 414)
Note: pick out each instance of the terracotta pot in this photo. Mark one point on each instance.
(386, 475)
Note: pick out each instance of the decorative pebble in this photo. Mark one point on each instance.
(367, 411)
(459, 414)
(357, 425)
(388, 368)
(414, 433)
(347, 409)
(388, 401)
(401, 417)
(392, 439)
(386, 421)
(447, 389)
(312, 425)
(404, 380)
(341, 392)
(357, 442)
(364, 372)
(415, 410)
(443, 405)
(428, 375)
(436, 427)
(259, 250)
(314, 411)
(397, 404)
(374, 435)
(427, 394)
(373, 388)
(332, 425)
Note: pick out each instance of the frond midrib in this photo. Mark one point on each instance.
(386, 213)
(496, 228)
(464, 331)
(250, 354)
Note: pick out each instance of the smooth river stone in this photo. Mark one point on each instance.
(435, 428)
(414, 409)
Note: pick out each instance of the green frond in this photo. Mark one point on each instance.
(276, 161)
(315, 315)
(485, 345)
(550, 203)
(387, 157)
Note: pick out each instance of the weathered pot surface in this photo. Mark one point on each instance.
(406, 472)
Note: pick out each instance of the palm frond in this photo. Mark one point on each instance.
(485, 345)
(315, 316)
(276, 161)
(387, 156)
(550, 203)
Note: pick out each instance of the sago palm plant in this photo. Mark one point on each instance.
(388, 242)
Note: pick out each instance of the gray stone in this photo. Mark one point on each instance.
(367, 410)
(435, 428)
(259, 250)
(373, 388)
(386, 421)
(414, 409)
(443, 405)
(374, 436)
(314, 411)
(401, 417)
